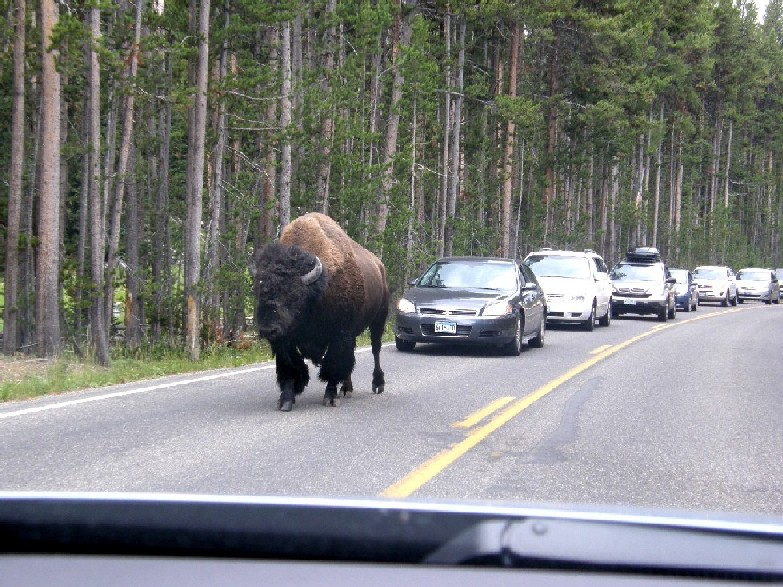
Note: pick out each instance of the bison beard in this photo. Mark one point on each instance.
(317, 290)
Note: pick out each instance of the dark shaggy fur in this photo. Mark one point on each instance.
(321, 320)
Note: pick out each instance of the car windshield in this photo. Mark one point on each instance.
(709, 273)
(559, 266)
(635, 272)
(754, 275)
(470, 275)
(681, 275)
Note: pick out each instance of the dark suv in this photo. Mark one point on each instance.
(642, 284)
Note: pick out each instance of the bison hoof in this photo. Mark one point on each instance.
(377, 388)
(331, 401)
(286, 406)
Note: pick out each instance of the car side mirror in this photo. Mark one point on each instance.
(671, 280)
(412, 282)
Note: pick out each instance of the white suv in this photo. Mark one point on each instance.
(576, 284)
(717, 283)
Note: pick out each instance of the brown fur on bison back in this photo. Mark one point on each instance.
(357, 278)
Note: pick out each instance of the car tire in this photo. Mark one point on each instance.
(537, 341)
(606, 319)
(688, 305)
(589, 324)
(734, 300)
(513, 348)
(663, 314)
(404, 346)
(672, 312)
(696, 304)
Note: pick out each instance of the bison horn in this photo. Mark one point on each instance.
(314, 273)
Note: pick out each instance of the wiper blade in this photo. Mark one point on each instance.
(615, 546)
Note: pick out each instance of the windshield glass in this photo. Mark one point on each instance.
(754, 275)
(709, 273)
(681, 275)
(470, 275)
(559, 266)
(633, 272)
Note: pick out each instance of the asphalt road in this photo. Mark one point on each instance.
(683, 415)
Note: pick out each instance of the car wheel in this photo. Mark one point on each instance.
(663, 314)
(589, 324)
(734, 300)
(688, 305)
(405, 346)
(725, 301)
(672, 314)
(514, 347)
(606, 319)
(696, 304)
(538, 341)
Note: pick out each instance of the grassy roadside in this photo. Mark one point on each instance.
(25, 378)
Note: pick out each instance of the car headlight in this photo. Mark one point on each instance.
(498, 309)
(406, 306)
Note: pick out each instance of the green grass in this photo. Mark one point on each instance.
(69, 374)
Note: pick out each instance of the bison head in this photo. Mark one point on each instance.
(289, 280)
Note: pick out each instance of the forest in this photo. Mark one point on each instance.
(151, 148)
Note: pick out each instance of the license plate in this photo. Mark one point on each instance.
(629, 302)
(443, 327)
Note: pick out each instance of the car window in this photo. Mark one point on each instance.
(632, 272)
(528, 275)
(681, 275)
(754, 276)
(460, 274)
(600, 266)
(559, 266)
(709, 273)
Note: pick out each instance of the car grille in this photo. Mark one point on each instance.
(429, 330)
(632, 292)
(439, 312)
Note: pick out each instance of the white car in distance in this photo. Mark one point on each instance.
(576, 284)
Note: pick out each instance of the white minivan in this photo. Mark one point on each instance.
(576, 284)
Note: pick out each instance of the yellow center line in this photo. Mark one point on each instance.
(479, 415)
(600, 349)
(437, 464)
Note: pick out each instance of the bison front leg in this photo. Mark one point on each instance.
(337, 367)
(292, 377)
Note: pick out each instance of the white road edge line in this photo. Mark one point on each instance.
(148, 388)
(95, 398)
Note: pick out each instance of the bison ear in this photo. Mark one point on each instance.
(314, 273)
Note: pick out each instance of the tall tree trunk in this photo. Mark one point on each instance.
(98, 318)
(327, 123)
(728, 165)
(196, 187)
(15, 184)
(47, 275)
(122, 166)
(134, 318)
(285, 123)
(400, 38)
(454, 177)
(216, 194)
(509, 150)
(554, 90)
(658, 169)
(444, 186)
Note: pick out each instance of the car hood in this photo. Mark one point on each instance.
(712, 282)
(466, 299)
(560, 285)
(637, 285)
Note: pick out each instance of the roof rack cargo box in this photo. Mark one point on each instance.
(643, 254)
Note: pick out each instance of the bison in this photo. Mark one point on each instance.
(317, 290)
